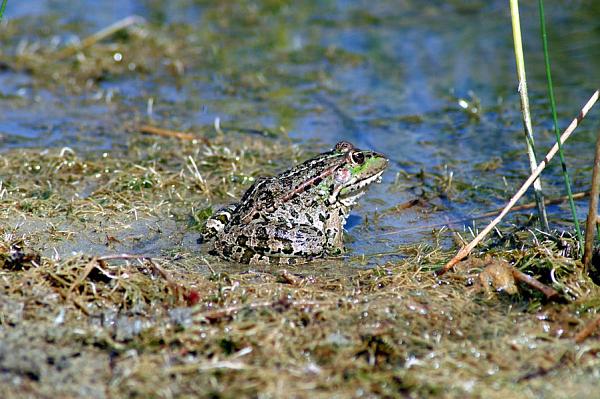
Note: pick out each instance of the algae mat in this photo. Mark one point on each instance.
(84, 320)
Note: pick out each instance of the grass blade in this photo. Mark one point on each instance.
(555, 121)
(466, 250)
(3, 8)
(519, 58)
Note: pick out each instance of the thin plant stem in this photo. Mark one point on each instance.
(555, 121)
(593, 210)
(466, 250)
(587, 330)
(3, 8)
(98, 36)
(520, 61)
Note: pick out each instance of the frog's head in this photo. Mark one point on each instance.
(341, 175)
(356, 169)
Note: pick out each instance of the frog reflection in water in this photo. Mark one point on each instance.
(297, 215)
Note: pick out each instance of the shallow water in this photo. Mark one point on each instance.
(388, 75)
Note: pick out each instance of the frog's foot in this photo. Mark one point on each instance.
(335, 251)
(241, 254)
(258, 244)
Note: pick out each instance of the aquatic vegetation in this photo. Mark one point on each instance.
(129, 138)
(189, 325)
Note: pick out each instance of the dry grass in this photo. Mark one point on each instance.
(185, 325)
(76, 321)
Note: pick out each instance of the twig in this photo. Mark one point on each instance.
(590, 224)
(98, 36)
(587, 330)
(261, 132)
(155, 267)
(67, 296)
(537, 184)
(550, 292)
(122, 256)
(176, 288)
(170, 133)
(405, 205)
(544, 370)
(529, 205)
(568, 131)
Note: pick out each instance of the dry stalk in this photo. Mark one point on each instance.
(170, 133)
(590, 224)
(549, 292)
(98, 36)
(587, 330)
(466, 250)
(529, 205)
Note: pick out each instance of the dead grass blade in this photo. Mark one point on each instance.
(587, 330)
(466, 250)
(590, 225)
(170, 133)
(98, 36)
(549, 292)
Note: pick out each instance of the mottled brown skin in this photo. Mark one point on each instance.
(298, 215)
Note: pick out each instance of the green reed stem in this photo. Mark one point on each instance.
(2, 8)
(520, 61)
(555, 120)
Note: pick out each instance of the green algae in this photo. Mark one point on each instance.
(171, 321)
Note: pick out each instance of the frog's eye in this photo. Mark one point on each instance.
(357, 157)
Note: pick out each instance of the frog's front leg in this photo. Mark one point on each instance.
(334, 233)
(217, 222)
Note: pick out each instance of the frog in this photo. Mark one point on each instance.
(298, 215)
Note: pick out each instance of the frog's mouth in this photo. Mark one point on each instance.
(350, 194)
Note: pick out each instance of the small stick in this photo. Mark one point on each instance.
(531, 205)
(590, 224)
(587, 330)
(532, 282)
(98, 36)
(122, 256)
(170, 133)
(166, 276)
(466, 250)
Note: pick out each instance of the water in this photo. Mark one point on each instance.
(385, 75)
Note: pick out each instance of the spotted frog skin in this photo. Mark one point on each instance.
(298, 215)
